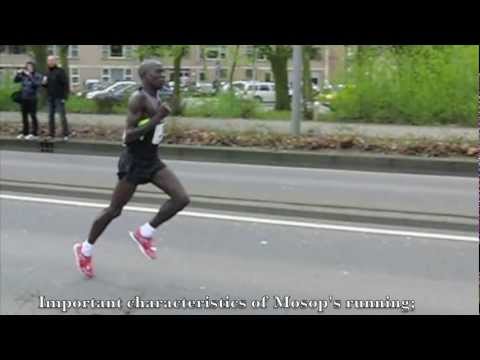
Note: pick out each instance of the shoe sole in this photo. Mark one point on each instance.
(132, 236)
(77, 261)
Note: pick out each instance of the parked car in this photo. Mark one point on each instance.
(119, 94)
(91, 85)
(166, 92)
(112, 89)
(204, 89)
(261, 91)
(124, 93)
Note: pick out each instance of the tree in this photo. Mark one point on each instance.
(278, 55)
(64, 61)
(204, 60)
(39, 54)
(177, 52)
(234, 59)
(63, 54)
(309, 53)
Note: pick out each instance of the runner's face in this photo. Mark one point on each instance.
(156, 77)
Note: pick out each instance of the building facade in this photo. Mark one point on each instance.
(203, 63)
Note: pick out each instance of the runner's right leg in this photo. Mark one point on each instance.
(121, 196)
(83, 251)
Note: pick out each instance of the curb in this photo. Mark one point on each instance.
(324, 160)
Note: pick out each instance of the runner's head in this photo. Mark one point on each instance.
(151, 73)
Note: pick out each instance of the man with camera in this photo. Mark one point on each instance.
(30, 81)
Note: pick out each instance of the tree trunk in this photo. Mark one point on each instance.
(307, 83)
(177, 62)
(234, 65)
(64, 61)
(64, 58)
(40, 57)
(279, 65)
(204, 62)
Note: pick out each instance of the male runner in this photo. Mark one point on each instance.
(139, 164)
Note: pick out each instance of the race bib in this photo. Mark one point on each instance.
(158, 134)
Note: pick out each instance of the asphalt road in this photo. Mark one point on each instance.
(425, 194)
(243, 259)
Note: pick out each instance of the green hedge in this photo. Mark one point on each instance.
(75, 104)
(226, 105)
(6, 90)
(423, 85)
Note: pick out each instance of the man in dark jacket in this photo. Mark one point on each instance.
(58, 89)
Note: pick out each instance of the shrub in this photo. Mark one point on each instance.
(6, 90)
(423, 85)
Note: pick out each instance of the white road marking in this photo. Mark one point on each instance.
(366, 230)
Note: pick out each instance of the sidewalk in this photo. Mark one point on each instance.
(308, 127)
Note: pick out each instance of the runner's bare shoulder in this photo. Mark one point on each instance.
(136, 102)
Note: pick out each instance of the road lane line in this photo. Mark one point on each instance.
(365, 230)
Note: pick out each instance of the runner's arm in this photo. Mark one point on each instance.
(136, 108)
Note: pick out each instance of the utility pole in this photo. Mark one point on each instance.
(254, 70)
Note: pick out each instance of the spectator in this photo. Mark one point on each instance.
(58, 89)
(31, 82)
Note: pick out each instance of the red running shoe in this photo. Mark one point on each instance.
(144, 244)
(84, 263)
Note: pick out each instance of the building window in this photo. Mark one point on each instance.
(73, 51)
(202, 76)
(128, 74)
(74, 76)
(105, 75)
(251, 50)
(116, 51)
(13, 49)
(117, 74)
(268, 77)
(215, 52)
(249, 74)
(129, 51)
(18, 49)
(223, 74)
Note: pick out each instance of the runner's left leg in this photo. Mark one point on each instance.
(168, 182)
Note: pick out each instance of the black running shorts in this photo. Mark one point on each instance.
(138, 171)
